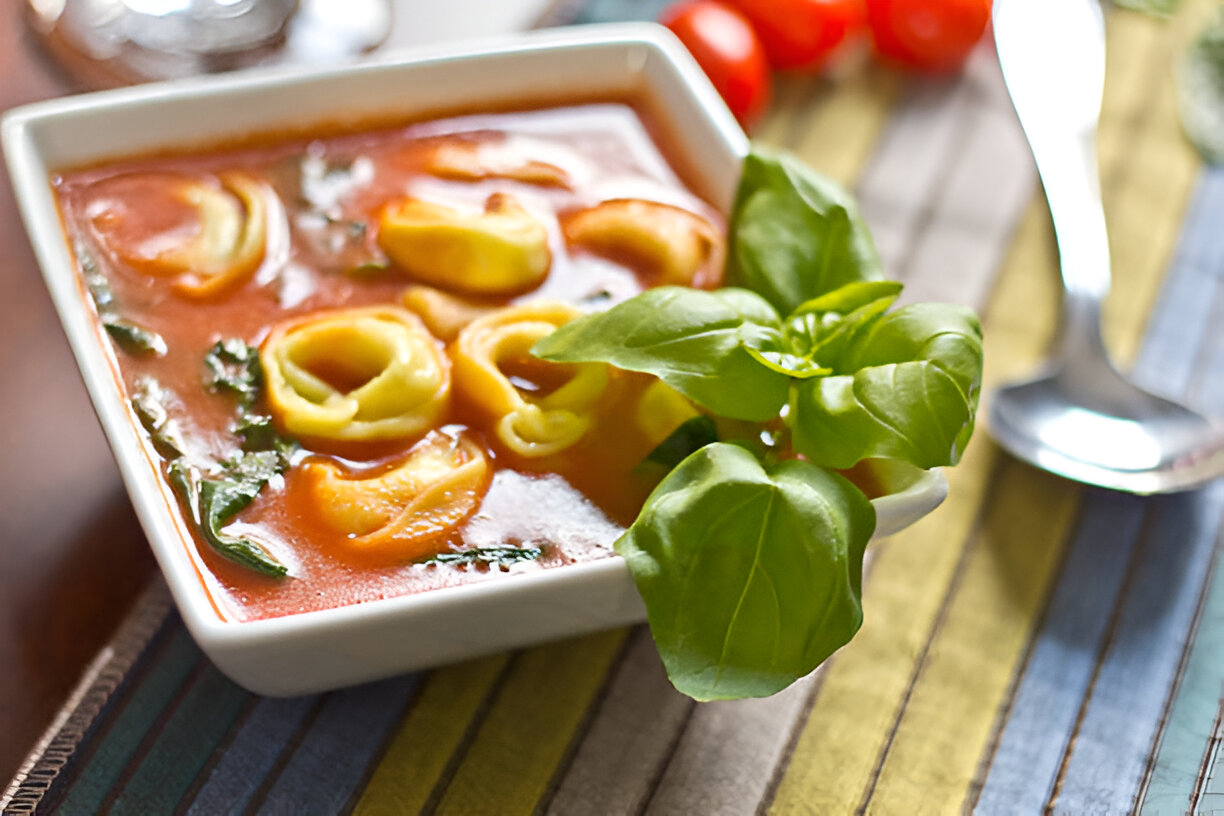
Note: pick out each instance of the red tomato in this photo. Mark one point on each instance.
(728, 50)
(801, 33)
(930, 35)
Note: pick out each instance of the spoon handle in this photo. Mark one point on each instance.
(1052, 53)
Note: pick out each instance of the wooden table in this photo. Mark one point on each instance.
(72, 556)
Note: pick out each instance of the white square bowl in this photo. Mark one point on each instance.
(325, 649)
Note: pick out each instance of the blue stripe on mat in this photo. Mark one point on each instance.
(1060, 669)
(172, 665)
(335, 755)
(251, 754)
(1190, 740)
(198, 725)
(1116, 738)
(1095, 724)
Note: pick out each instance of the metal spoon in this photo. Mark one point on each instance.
(1082, 419)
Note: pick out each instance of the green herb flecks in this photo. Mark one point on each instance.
(233, 366)
(214, 492)
(150, 403)
(214, 498)
(132, 338)
(749, 559)
(500, 557)
(1200, 91)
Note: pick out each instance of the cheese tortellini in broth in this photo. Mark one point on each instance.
(356, 375)
(406, 511)
(538, 408)
(673, 246)
(221, 242)
(498, 251)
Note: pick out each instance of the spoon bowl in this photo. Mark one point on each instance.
(1084, 420)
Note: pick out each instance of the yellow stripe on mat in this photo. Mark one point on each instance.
(531, 725)
(1150, 168)
(423, 745)
(847, 755)
(865, 687)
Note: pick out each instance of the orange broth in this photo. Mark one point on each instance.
(571, 505)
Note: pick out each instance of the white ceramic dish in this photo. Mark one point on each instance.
(331, 648)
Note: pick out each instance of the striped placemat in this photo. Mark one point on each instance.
(1033, 646)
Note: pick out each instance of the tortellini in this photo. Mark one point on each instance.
(530, 424)
(481, 160)
(674, 246)
(444, 314)
(228, 242)
(403, 513)
(660, 411)
(356, 375)
(499, 251)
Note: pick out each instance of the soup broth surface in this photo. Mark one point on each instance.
(323, 201)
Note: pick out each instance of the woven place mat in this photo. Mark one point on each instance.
(1032, 646)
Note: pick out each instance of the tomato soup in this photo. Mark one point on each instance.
(326, 341)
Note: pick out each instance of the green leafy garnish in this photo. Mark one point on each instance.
(491, 556)
(215, 492)
(234, 366)
(130, 337)
(214, 499)
(1200, 92)
(134, 339)
(748, 557)
(786, 219)
(150, 404)
(690, 339)
(751, 574)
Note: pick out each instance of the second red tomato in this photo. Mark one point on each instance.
(728, 50)
(801, 34)
(930, 35)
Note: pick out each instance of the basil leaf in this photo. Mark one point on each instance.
(234, 366)
(214, 501)
(133, 339)
(1200, 92)
(751, 574)
(691, 339)
(795, 235)
(150, 404)
(907, 389)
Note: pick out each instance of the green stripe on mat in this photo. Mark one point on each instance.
(198, 725)
(171, 668)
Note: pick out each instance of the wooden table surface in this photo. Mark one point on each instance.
(72, 556)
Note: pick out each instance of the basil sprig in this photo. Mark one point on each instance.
(750, 561)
